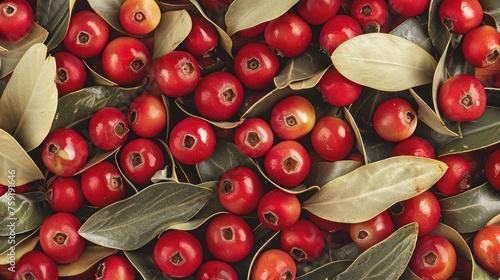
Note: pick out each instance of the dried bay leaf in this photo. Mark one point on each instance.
(20, 238)
(54, 16)
(80, 105)
(373, 188)
(91, 255)
(173, 29)
(243, 14)
(15, 51)
(29, 212)
(21, 248)
(29, 105)
(389, 63)
(386, 259)
(471, 210)
(327, 271)
(131, 223)
(14, 157)
(323, 172)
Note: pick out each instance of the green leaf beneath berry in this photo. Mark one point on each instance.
(123, 225)
(385, 62)
(492, 9)
(372, 188)
(142, 259)
(327, 271)
(54, 16)
(173, 29)
(29, 212)
(91, 255)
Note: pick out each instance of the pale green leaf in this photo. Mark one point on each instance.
(20, 249)
(173, 29)
(27, 211)
(373, 188)
(91, 255)
(384, 62)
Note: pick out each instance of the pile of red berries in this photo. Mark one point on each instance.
(262, 87)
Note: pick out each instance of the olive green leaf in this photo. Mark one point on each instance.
(211, 209)
(492, 96)
(478, 134)
(173, 29)
(346, 252)
(91, 255)
(428, 116)
(243, 14)
(440, 76)
(386, 259)
(168, 173)
(437, 31)
(81, 104)
(27, 211)
(225, 156)
(142, 259)
(54, 16)
(110, 12)
(327, 271)
(458, 64)
(224, 40)
(415, 29)
(6, 241)
(131, 223)
(309, 82)
(323, 172)
(29, 105)
(14, 158)
(16, 50)
(372, 188)
(96, 155)
(99, 78)
(471, 210)
(391, 63)
(306, 65)
(462, 249)
(21, 248)
(492, 9)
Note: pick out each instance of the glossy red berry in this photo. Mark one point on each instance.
(36, 265)
(64, 152)
(481, 46)
(292, 118)
(256, 65)
(486, 248)
(434, 257)
(215, 269)
(65, 194)
(218, 96)
(59, 238)
(140, 159)
(458, 176)
(287, 28)
(337, 90)
(367, 12)
(115, 267)
(240, 189)
(177, 73)
(337, 30)
(492, 169)
(332, 138)
(460, 16)
(87, 34)
(139, 17)
(303, 241)
(16, 20)
(108, 128)
(414, 146)
(254, 137)
(192, 140)
(326, 225)
(102, 184)
(203, 38)
(368, 233)
(278, 210)
(71, 73)
(287, 163)
(409, 8)
(462, 98)
(317, 12)
(423, 209)
(125, 60)
(273, 264)
(147, 115)
(229, 238)
(178, 253)
(395, 120)
(217, 7)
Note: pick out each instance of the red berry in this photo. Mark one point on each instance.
(433, 258)
(293, 117)
(287, 28)
(65, 194)
(395, 120)
(139, 17)
(287, 163)
(256, 65)
(36, 265)
(458, 176)
(147, 115)
(192, 140)
(108, 128)
(254, 137)
(414, 146)
(274, 264)
(332, 138)
(278, 210)
(460, 16)
(317, 12)
(337, 30)
(177, 73)
(87, 34)
(140, 159)
(71, 73)
(115, 267)
(303, 241)
(215, 269)
(240, 189)
(409, 8)
(102, 184)
(486, 248)
(368, 233)
(481, 46)
(203, 38)
(492, 169)
(337, 90)
(16, 20)
(367, 12)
